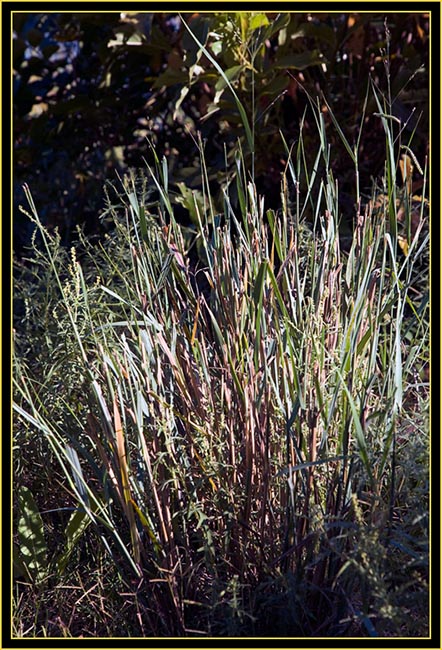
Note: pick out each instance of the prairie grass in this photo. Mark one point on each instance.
(222, 430)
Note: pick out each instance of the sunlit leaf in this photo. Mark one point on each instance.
(33, 548)
(258, 20)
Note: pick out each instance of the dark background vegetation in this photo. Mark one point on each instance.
(91, 90)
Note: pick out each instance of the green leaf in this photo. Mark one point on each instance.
(258, 20)
(77, 474)
(245, 121)
(281, 21)
(229, 75)
(216, 47)
(359, 432)
(258, 293)
(19, 566)
(311, 463)
(224, 346)
(133, 199)
(143, 224)
(193, 201)
(77, 524)
(164, 197)
(171, 77)
(274, 87)
(277, 293)
(345, 142)
(300, 61)
(33, 549)
(198, 33)
(322, 33)
(259, 284)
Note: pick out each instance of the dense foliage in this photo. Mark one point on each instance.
(221, 404)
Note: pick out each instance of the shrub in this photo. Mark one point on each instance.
(228, 406)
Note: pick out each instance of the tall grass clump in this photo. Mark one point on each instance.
(230, 419)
